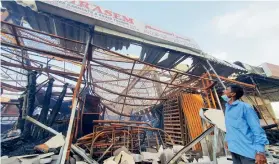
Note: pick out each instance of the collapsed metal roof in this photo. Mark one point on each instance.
(55, 46)
(59, 21)
(122, 82)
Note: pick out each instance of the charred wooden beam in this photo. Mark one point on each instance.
(30, 102)
(57, 106)
(20, 121)
(44, 112)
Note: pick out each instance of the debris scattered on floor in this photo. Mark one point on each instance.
(29, 159)
(53, 143)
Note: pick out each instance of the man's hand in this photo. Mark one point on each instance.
(226, 145)
(260, 158)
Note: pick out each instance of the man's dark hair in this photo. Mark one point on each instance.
(238, 90)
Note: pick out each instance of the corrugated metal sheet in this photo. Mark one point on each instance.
(250, 69)
(223, 62)
(271, 70)
(49, 24)
(269, 87)
(107, 38)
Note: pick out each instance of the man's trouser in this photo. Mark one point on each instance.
(239, 159)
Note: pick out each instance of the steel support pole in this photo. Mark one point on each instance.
(211, 67)
(215, 144)
(214, 89)
(219, 103)
(49, 129)
(75, 100)
(191, 144)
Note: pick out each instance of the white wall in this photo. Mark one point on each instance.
(275, 106)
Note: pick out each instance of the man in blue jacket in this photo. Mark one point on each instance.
(245, 138)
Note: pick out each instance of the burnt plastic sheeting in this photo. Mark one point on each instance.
(151, 54)
(172, 60)
(50, 24)
(109, 41)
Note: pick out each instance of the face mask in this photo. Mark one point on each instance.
(225, 98)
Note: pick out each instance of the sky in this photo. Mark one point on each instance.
(233, 31)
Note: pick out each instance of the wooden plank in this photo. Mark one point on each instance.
(173, 128)
(172, 125)
(171, 114)
(172, 132)
(172, 121)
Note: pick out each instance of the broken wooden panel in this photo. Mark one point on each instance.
(90, 112)
(191, 105)
(173, 121)
(92, 104)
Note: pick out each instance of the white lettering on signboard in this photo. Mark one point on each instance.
(96, 12)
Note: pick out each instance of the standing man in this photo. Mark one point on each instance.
(245, 138)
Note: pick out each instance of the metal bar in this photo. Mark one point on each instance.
(116, 112)
(234, 81)
(123, 103)
(7, 56)
(40, 32)
(75, 148)
(142, 73)
(46, 42)
(38, 69)
(191, 144)
(206, 97)
(146, 63)
(11, 77)
(122, 71)
(105, 152)
(214, 89)
(187, 74)
(41, 55)
(215, 145)
(56, 46)
(75, 99)
(126, 122)
(71, 57)
(49, 129)
(113, 60)
(139, 140)
(15, 35)
(172, 80)
(223, 85)
(127, 90)
(15, 72)
(35, 61)
(136, 97)
(106, 81)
